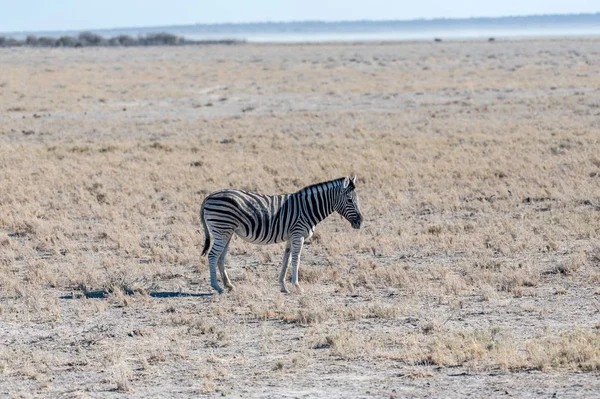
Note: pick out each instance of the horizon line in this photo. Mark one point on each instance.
(315, 21)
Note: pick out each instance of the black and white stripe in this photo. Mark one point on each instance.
(266, 219)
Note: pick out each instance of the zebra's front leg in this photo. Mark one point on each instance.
(284, 266)
(296, 245)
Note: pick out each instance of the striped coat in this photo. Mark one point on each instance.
(266, 219)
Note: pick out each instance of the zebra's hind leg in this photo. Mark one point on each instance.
(221, 264)
(284, 267)
(220, 244)
(212, 265)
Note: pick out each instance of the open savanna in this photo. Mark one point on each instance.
(476, 272)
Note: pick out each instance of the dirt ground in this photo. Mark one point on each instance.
(476, 273)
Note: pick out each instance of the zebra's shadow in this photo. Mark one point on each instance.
(101, 294)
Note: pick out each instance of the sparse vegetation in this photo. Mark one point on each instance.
(478, 175)
(90, 39)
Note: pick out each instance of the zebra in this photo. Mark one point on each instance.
(266, 219)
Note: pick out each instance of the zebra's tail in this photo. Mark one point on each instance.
(207, 236)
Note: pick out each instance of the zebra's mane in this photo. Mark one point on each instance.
(335, 183)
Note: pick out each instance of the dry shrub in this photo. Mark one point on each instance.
(514, 279)
(126, 277)
(118, 297)
(577, 349)
(311, 275)
(278, 366)
(304, 316)
(31, 302)
(155, 356)
(112, 355)
(40, 274)
(121, 377)
(251, 289)
(266, 256)
(270, 310)
(10, 285)
(377, 310)
(571, 266)
(473, 349)
(488, 293)
(452, 283)
(431, 327)
(310, 311)
(213, 376)
(347, 344)
(380, 310)
(31, 363)
(369, 274)
(504, 277)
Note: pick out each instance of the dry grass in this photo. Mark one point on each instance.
(479, 179)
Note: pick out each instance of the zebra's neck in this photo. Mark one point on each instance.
(319, 200)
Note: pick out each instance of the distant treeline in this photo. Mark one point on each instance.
(89, 39)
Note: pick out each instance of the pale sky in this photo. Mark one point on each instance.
(40, 15)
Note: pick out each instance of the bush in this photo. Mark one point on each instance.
(10, 42)
(163, 38)
(67, 41)
(31, 40)
(47, 41)
(91, 39)
(126, 40)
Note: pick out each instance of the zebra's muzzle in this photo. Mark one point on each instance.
(356, 223)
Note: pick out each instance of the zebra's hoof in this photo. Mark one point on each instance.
(218, 289)
(284, 289)
(298, 289)
(230, 287)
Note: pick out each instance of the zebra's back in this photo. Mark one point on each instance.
(257, 218)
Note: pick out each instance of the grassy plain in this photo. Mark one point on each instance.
(477, 271)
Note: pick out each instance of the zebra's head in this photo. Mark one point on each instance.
(348, 206)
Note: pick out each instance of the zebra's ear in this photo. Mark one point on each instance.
(349, 183)
(353, 179)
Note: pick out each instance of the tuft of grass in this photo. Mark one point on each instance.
(122, 378)
(346, 344)
(571, 266)
(578, 349)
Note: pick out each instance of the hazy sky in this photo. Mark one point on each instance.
(36, 15)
